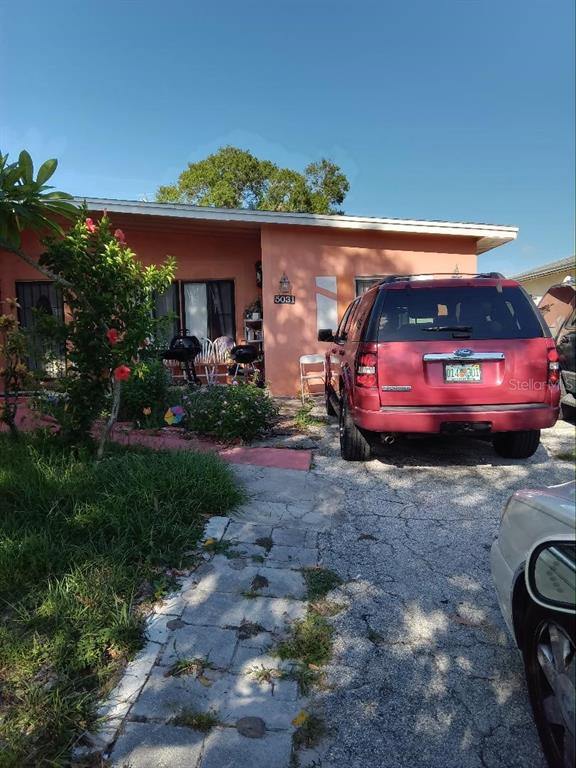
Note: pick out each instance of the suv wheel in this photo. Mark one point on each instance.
(517, 445)
(353, 444)
(549, 661)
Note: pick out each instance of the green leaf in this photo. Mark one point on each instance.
(46, 171)
(26, 167)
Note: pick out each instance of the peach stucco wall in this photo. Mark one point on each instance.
(206, 251)
(202, 253)
(303, 254)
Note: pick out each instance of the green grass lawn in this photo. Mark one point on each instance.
(80, 544)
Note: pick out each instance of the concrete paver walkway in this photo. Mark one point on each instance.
(223, 623)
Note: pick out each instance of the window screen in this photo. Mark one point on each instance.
(46, 357)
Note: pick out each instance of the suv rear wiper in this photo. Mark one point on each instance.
(464, 328)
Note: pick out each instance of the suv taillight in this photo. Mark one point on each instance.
(366, 363)
(553, 367)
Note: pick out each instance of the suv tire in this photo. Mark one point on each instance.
(517, 445)
(353, 444)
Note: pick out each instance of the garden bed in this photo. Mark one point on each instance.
(83, 547)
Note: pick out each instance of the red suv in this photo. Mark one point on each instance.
(444, 355)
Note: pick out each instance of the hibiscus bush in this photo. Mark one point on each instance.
(243, 412)
(109, 318)
(145, 396)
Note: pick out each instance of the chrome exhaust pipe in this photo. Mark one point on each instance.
(389, 439)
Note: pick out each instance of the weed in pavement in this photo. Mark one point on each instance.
(320, 581)
(199, 721)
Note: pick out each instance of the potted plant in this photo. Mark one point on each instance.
(254, 310)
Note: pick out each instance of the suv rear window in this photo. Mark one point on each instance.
(484, 312)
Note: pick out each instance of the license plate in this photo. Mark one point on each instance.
(462, 372)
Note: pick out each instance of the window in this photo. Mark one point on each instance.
(167, 309)
(364, 284)
(35, 298)
(479, 313)
(208, 309)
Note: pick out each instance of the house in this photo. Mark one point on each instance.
(537, 280)
(303, 268)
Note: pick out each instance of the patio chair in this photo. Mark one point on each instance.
(309, 371)
(206, 359)
(221, 356)
(221, 349)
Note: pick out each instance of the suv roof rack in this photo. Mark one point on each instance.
(415, 277)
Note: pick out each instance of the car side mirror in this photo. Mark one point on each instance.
(551, 575)
(326, 334)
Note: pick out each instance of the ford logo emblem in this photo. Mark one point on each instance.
(463, 352)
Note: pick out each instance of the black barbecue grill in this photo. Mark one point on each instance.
(244, 356)
(185, 349)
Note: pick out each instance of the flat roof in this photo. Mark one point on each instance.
(488, 235)
(546, 269)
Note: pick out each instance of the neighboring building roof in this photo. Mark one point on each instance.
(562, 265)
(488, 235)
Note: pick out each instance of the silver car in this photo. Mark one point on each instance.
(534, 571)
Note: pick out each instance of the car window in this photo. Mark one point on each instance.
(358, 321)
(483, 312)
(350, 319)
(344, 320)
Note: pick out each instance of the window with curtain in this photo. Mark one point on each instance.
(46, 357)
(209, 308)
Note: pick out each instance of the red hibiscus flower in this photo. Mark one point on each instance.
(122, 373)
(113, 336)
(90, 226)
(120, 236)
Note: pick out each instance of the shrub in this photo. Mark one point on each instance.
(147, 388)
(109, 317)
(227, 413)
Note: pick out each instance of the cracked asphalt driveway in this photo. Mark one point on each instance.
(424, 673)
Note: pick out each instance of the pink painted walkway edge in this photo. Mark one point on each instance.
(172, 439)
(279, 458)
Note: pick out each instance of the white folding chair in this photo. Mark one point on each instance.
(222, 347)
(308, 375)
(221, 354)
(206, 359)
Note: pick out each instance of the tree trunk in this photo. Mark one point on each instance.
(116, 390)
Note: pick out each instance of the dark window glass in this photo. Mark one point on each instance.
(46, 357)
(360, 316)
(344, 320)
(344, 328)
(364, 284)
(208, 308)
(485, 312)
(167, 309)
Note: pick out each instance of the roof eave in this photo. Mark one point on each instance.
(488, 236)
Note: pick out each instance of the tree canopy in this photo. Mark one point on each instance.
(235, 178)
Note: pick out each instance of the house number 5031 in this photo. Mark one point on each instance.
(282, 298)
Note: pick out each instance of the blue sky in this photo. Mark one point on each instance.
(436, 109)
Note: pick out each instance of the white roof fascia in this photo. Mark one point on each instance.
(488, 235)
